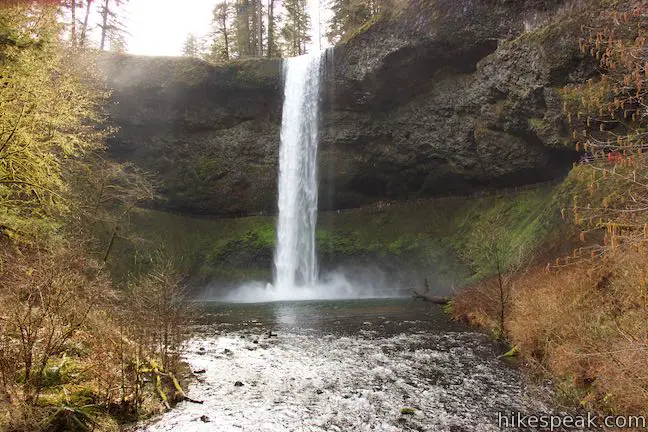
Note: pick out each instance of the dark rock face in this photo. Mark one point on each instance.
(442, 97)
(208, 134)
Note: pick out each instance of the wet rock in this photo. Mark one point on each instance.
(238, 384)
(442, 95)
(204, 419)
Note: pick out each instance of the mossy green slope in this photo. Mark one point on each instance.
(426, 237)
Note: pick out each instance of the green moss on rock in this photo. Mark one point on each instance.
(425, 236)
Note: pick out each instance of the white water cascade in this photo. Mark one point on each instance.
(295, 257)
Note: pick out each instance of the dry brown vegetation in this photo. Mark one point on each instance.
(584, 318)
(586, 324)
(74, 350)
(589, 326)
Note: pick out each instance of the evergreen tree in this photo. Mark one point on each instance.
(244, 28)
(272, 47)
(243, 35)
(295, 31)
(191, 46)
(258, 27)
(113, 29)
(221, 48)
(350, 15)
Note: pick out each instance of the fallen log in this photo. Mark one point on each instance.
(184, 396)
(157, 371)
(432, 299)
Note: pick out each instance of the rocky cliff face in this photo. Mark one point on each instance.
(440, 97)
(208, 134)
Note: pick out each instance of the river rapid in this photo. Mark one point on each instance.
(362, 365)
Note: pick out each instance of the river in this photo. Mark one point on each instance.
(360, 365)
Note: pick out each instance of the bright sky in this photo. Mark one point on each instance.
(160, 27)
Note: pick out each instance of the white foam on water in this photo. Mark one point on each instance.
(331, 286)
(305, 383)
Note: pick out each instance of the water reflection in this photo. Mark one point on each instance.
(384, 316)
(285, 315)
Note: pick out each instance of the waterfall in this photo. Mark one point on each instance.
(295, 260)
(295, 257)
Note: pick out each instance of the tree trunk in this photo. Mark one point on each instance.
(253, 24)
(74, 35)
(243, 27)
(246, 28)
(500, 281)
(225, 30)
(104, 27)
(271, 28)
(110, 244)
(259, 18)
(84, 29)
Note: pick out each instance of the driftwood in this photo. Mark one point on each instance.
(428, 298)
(432, 299)
(156, 370)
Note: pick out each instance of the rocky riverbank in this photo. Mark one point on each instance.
(381, 365)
